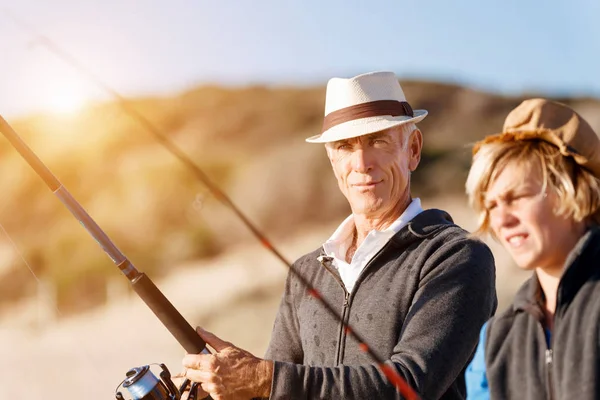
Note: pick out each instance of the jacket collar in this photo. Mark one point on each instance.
(425, 224)
(529, 298)
(422, 226)
(581, 265)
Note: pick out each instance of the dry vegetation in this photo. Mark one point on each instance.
(250, 142)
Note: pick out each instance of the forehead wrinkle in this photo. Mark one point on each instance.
(377, 135)
(510, 188)
(387, 133)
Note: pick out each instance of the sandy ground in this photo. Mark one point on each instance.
(235, 296)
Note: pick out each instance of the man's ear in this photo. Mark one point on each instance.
(415, 145)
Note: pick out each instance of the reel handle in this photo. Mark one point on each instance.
(165, 375)
(193, 391)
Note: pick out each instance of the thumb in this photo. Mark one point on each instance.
(213, 340)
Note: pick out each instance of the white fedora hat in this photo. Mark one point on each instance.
(362, 105)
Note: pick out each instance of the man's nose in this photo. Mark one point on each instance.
(361, 161)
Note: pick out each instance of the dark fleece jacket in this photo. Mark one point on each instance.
(419, 303)
(520, 364)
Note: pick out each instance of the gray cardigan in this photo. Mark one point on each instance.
(419, 303)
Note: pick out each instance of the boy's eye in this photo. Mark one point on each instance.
(521, 196)
(489, 206)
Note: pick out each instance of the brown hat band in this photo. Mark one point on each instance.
(372, 109)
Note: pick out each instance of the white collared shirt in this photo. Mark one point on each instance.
(337, 245)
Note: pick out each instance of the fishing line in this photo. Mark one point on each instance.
(49, 300)
(390, 373)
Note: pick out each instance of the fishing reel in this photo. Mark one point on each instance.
(142, 384)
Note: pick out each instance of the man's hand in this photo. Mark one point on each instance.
(230, 373)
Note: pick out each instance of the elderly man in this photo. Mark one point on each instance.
(413, 284)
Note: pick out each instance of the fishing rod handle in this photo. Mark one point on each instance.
(168, 315)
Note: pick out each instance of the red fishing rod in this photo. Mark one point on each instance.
(142, 285)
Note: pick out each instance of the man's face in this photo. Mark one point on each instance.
(373, 170)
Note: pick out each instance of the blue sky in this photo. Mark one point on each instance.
(164, 47)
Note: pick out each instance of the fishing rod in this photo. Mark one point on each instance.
(177, 323)
(138, 379)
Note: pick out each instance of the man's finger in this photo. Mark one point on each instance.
(214, 342)
(196, 375)
(180, 375)
(197, 361)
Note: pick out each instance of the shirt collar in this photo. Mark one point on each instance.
(339, 242)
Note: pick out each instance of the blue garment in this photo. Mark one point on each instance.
(475, 376)
(476, 379)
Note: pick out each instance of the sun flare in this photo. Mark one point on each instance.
(66, 102)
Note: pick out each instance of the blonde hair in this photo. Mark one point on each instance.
(577, 189)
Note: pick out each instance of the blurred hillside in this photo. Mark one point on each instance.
(250, 141)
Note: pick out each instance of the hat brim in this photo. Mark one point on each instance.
(365, 126)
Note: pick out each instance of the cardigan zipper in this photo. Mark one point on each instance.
(326, 262)
(342, 335)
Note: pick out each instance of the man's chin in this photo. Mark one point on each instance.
(367, 207)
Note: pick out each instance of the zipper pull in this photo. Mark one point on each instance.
(549, 385)
(548, 356)
(325, 260)
(347, 295)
